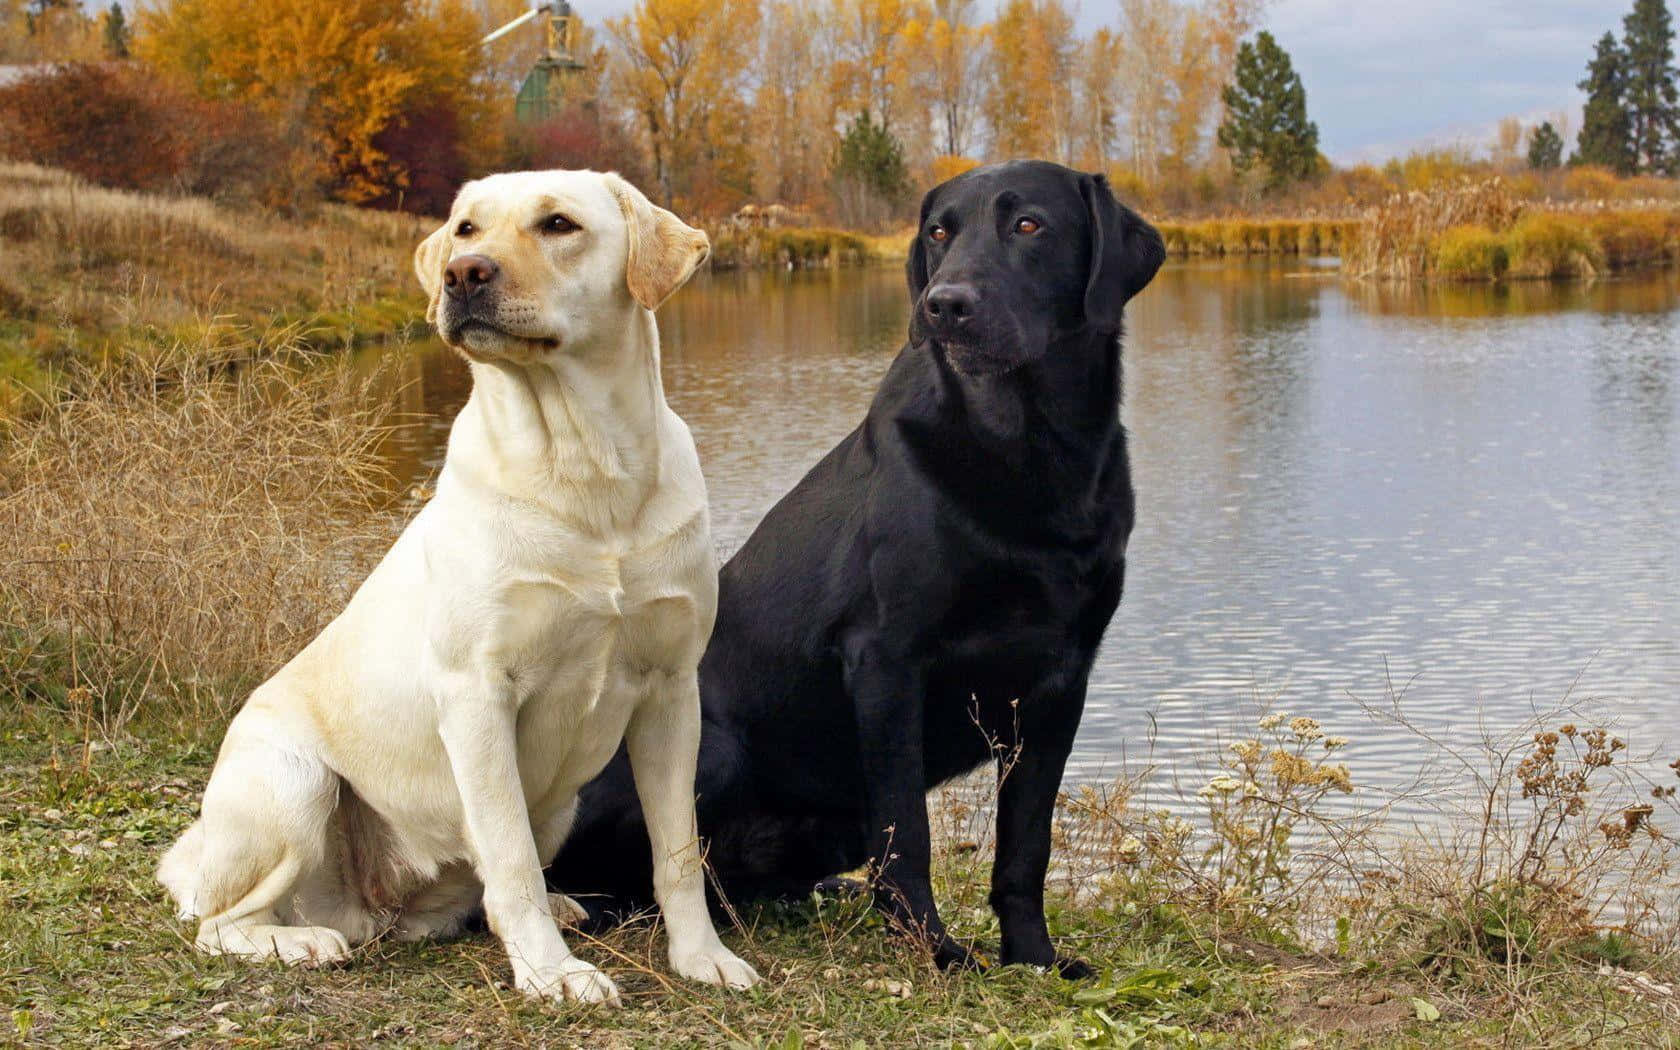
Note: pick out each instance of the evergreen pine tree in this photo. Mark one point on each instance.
(1649, 96)
(1545, 147)
(1604, 137)
(117, 32)
(871, 155)
(1266, 115)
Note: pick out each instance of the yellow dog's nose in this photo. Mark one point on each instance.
(466, 274)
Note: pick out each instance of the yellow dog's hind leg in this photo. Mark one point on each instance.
(263, 831)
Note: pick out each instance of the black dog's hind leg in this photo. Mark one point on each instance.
(887, 697)
(1029, 775)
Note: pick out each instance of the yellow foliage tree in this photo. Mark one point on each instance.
(876, 43)
(793, 107)
(337, 73)
(953, 67)
(1028, 101)
(682, 65)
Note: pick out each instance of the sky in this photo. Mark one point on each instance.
(1384, 77)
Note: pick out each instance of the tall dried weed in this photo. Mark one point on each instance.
(175, 531)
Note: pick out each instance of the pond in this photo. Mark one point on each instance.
(1466, 498)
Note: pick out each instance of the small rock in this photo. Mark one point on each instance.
(220, 1008)
(1325, 1002)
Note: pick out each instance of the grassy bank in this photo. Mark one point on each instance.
(1238, 237)
(92, 273)
(146, 584)
(801, 248)
(93, 957)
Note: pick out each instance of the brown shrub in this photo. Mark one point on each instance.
(120, 125)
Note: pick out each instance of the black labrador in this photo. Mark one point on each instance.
(930, 597)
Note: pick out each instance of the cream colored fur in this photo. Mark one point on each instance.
(423, 755)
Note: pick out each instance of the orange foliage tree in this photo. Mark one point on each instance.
(336, 73)
(1028, 102)
(682, 66)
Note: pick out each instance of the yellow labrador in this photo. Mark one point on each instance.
(423, 755)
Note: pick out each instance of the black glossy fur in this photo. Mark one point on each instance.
(930, 597)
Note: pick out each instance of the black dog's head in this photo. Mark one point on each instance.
(1010, 257)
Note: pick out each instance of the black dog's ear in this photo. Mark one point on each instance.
(915, 266)
(1125, 253)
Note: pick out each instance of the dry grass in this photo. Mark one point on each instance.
(1397, 241)
(175, 531)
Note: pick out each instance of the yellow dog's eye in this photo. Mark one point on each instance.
(939, 233)
(558, 224)
(1025, 225)
(466, 229)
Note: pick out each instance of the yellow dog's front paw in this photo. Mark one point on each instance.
(715, 964)
(572, 981)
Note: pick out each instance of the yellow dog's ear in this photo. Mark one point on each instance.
(664, 250)
(429, 260)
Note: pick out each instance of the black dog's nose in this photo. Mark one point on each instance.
(466, 274)
(950, 306)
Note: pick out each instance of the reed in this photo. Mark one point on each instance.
(1481, 231)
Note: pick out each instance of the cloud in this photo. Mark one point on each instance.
(1385, 77)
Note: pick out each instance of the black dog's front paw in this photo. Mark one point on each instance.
(952, 954)
(837, 886)
(1074, 969)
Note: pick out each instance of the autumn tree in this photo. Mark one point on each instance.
(1545, 147)
(1033, 61)
(682, 65)
(336, 73)
(875, 44)
(1650, 97)
(1149, 28)
(47, 31)
(1507, 142)
(1098, 98)
(792, 105)
(953, 72)
(1604, 137)
(1266, 123)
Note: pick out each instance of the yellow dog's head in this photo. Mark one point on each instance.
(540, 262)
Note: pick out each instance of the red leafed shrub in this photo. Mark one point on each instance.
(120, 125)
(577, 137)
(423, 147)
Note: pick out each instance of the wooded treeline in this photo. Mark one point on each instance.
(713, 103)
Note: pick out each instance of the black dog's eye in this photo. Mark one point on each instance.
(938, 233)
(466, 229)
(558, 223)
(1026, 225)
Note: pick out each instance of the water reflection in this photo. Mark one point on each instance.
(1473, 492)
